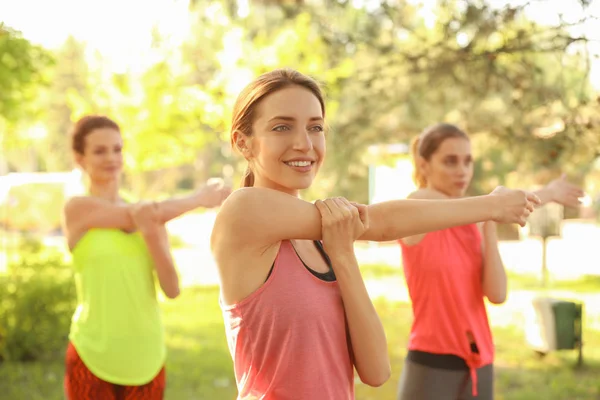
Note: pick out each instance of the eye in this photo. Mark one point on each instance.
(281, 128)
(317, 128)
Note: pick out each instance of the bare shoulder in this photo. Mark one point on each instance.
(236, 208)
(76, 204)
(234, 213)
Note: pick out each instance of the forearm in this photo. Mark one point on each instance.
(369, 343)
(157, 240)
(397, 219)
(173, 208)
(494, 274)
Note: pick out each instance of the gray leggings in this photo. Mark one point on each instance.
(419, 382)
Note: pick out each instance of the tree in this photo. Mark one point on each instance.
(21, 75)
(389, 74)
(21, 72)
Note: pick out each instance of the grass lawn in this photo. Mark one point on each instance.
(199, 365)
(517, 281)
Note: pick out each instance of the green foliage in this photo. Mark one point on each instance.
(21, 70)
(37, 300)
(388, 71)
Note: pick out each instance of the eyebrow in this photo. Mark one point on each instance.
(457, 156)
(286, 118)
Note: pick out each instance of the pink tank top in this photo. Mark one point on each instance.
(289, 339)
(444, 277)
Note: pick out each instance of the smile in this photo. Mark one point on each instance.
(299, 163)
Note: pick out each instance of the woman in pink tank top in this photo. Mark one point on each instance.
(298, 318)
(448, 273)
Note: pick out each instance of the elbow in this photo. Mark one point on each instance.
(377, 377)
(173, 292)
(497, 298)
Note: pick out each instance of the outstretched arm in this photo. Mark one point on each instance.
(397, 219)
(261, 217)
(84, 213)
(209, 196)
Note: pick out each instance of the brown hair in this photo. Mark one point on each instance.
(249, 98)
(87, 125)
(427, 143)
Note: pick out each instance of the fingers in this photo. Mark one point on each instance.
(337, 209)
(323, 209)
(533, 198)
(218, 182)
(362, 213)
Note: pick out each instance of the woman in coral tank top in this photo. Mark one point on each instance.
(298, 318)
(448, 273)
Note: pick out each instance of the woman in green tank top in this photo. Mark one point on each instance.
(116, 349)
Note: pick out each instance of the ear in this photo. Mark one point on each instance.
(79, 161)
(423, 166)
(242, 143)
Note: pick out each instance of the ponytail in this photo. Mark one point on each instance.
(418, 178)
(248, 180)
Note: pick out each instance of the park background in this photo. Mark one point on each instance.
(521, 77)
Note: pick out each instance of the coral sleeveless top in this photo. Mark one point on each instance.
(117, 327)
(289, 339)
(444, 277)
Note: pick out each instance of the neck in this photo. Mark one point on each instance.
(272, 185)
(105, 190)
(433, 189)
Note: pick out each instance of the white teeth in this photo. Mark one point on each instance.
(298, 163)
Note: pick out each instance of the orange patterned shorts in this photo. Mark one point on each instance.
(81, 384)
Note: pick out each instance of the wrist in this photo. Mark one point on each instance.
(149, 229)
(490, 230)
(550, 195)
(493, 208)
(199, 199)
(342, 257)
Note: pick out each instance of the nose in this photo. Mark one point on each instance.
(302, 141)
(463, 169)
(113, 157)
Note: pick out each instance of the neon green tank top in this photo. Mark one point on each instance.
(117, 327)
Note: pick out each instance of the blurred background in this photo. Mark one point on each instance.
(521, 77)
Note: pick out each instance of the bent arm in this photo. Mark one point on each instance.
(367, 336)
(157, 240)
(494, 281)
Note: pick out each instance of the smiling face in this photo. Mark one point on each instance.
(450, 168)
(287, 144)
(102, 158)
